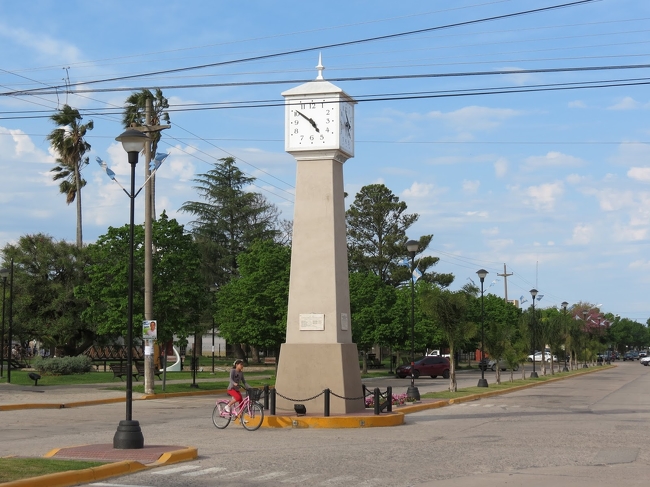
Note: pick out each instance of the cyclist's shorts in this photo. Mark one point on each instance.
(235, 394)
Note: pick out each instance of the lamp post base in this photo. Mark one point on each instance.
(482, 383)
(533, 375)
(128, 436)
(565, 369)
(585, 366)
(194, 386)
(413, 392)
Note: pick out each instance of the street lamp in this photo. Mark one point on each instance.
(4, 273)
(129, 435)
(533, 293)
(482, 382)
(194, 385)
(412, 246)
(584, 318)
(564, 305)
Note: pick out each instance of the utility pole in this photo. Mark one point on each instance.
(505, 280)
(149, 349)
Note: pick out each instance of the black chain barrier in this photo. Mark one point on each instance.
(325, 392)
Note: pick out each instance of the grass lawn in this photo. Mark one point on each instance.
(23, 468)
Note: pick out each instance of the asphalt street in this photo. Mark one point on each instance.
(586, 430)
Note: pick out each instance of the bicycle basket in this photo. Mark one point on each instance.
(254, 394)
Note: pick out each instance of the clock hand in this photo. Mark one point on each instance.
(347, 123)
(313, 124)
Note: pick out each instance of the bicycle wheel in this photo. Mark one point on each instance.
(252, 418)
(220, 418)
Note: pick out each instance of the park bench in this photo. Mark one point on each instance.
(121, 370)
(140, 368)
(269, 360)
(373, 362)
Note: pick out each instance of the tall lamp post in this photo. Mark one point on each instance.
(584, 318)
(564, 305)
(533, 293)
(4, 273)
(482, 382)
(194, 385)
(412, 246)
(129, 435)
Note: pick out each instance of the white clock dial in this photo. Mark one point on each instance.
(312, 124)
(347, 128)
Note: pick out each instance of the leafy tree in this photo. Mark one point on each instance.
(377, 223)
(371, 302)
(178, 296)
(227, 220)
(135, 115)
(449, 310)
(252, 308)
(46, 272)
(68, 142)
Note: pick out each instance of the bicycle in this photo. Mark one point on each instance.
(250, 412)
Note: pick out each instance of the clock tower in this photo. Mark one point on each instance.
(319, 353)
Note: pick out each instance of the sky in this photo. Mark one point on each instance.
(517, 131)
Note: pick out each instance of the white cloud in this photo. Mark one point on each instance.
(577, 104)
(639, 174)
(479, 213)
(475, 117)
(642, 264)
(544, 196)
(582, 234)
(490, 231)
(626, 103)
(501, 167)
(471, 186)
(552, 159)
(40, 42)
(575, 179)
(418, 190)
(632, 154)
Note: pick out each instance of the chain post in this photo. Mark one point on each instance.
(389, 394)
(266, 397)
(326, 401)
(377, 399)
(272, 405)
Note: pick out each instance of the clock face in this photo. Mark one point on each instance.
(312, 124)
(347, 128)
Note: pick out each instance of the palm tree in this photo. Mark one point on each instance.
(135, 115)
(68, 142)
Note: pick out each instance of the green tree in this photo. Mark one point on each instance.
(449, 310)
(46, 272)
(68, 142)
(178, 298)
(228, 220)
(371, 302)
(377, 223)
(252, 308)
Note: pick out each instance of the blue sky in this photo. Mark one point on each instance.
(502, 166)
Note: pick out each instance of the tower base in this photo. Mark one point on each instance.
(306, 369)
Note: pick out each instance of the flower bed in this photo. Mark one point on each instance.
(398, 400)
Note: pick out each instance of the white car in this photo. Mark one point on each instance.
(538, 357)
(645, 361)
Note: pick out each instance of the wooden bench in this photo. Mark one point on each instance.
(269, 360)
(140, 368)
(121, 370)
(373, 362)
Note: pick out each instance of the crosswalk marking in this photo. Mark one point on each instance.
(343, 479)
(169, 471)
(205, 471)
(299, 479)
(269, 476)
(235, 474)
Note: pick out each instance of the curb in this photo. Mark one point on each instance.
(334, 422)
(74, 477)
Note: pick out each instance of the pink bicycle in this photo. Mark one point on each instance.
(250, 412)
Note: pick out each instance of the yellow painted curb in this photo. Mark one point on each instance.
(371, 421)
(189, 453)
(74, 477)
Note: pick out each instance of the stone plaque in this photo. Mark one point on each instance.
(312, 322)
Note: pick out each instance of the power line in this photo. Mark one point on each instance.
(324, 46)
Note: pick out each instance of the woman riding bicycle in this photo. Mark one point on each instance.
(236, 380)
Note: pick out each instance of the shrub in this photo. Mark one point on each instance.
(63, 365)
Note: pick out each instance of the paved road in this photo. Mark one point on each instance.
(589, 430)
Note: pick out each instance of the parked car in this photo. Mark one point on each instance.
(491, 364)
(631, 355)
(643, 353)
(645, 361)
(538, 357)
(432, 366)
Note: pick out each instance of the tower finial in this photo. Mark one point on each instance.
(320, 67)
